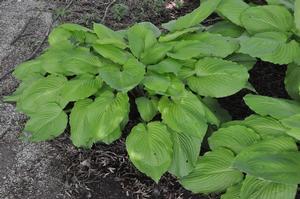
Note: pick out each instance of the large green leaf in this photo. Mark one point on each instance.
(112, 53)
(156, 53)
(106, 114)
(232, 192)
(235, 138)
(66, 60)
(186, 150)
(108, 36)
(243, 59)
(217, 78)
(49, 122)
(147, 107)
(150, 149)
(168, 65)
(254, 188)
(125, 77)
(280, 167)
(194, 18)
(142, 36)
(293, 124)
(226, 28)
(275, 107)
(232, 10)
(28, 69)
(184, 114)
(287, 3)
(42, 91)
(292, 81)
(270, 46)
(266, 127)
(157, 82)
(177, 34)
(81, 87)
(297, 14)
(212, 173)
(203, 44)
(80, 129)
(267, 18)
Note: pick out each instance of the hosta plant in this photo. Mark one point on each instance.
(92, 78)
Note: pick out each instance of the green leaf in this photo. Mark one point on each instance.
(226, 28)
(287, 3)
(174, 35)
(112, 53)
(267, 18)
(123, 78)
(147, 108)
(150, 149)
(254, 188)
(293, 124)
(106, 114)
(292, 81)
(213, 173)
(280, 167)
(217, 78)
(113, 136)
(232, 10)
(59, 35)
(297, 14)
(203, 44)
(266, 127)
(270, 46)
(49, 122)
(184, 114)
(142, 36)
(235, 138)
(194, 18)
(275, 107)
(108, 36)
(232, 192)
(81, 88)
(168, 65)
(156, 53)
(28, 69)
(243, 59)
(157, 83)
(186, 150)
(42, 91)
(80, 129)
(215, 114)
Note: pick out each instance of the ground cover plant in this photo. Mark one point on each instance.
(94, 76)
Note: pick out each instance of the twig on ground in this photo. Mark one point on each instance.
(106, 10)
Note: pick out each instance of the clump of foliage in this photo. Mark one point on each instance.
(86, 77)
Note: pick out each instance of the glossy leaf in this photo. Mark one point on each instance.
(232, 10)
(226, 28)
(293, 124)
(147, 108)
(174, 35)
(112, 53)
(168, 65)
(156, 53)
(150, 149)
(108, 36)
(232, 192)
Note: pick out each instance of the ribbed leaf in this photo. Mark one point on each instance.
(226, 28)
(184, 114)
(150, 149)
(254, 188)
(217, 78)
(28, 69)
(156, 53)
(243, 59)
(81, 88)
(275, 107)
(123, 78)
(232, 192)
(108, 36)
(287, 3)
(80, 129)
(297, 14)
(194, 18)
(235, 138)
(213, 173)
(270, 46)
(292, 81)
(280, 167)
(157, 83)
(168, 65)
(232, 10)
(106, 114)
(186, 150)
(112, 53)
(203, 44)
(174, 35)
(42, 91)
(267, 18)
(293, 123)
(49, 122)
(141, 37)
(147, 107)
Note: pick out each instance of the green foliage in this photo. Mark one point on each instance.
(120, 10)
(93, 77)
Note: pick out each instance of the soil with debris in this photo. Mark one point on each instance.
(56, 169)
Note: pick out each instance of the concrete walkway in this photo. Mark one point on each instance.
(27, 170)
